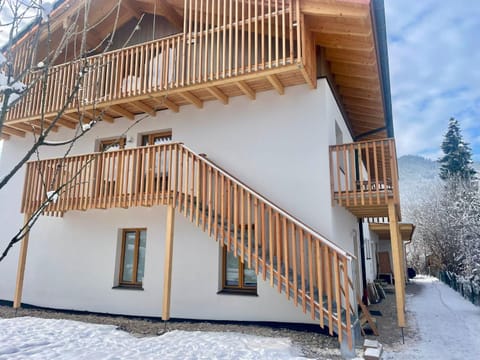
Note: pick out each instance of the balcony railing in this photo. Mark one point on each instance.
(364, 176)
(219, 43)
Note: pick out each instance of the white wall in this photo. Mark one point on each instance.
(278, 145)
(371, 248)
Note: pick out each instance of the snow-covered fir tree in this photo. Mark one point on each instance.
(457, 160)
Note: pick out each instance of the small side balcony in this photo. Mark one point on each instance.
(364, 177)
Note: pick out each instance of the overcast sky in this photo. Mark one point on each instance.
(434, 54)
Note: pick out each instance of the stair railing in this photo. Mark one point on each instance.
(308, 268)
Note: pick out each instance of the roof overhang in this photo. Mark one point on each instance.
(383, 230)
(353, 34)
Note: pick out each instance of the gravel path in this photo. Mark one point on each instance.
(313, 345)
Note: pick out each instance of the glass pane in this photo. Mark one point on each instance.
(127, 275)
(162, 139)
(249, 277)
(141, 255)
(231, 276)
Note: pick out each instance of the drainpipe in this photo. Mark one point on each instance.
(362, 262)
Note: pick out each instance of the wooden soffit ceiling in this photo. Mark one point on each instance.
(346, 30)
(383, 230)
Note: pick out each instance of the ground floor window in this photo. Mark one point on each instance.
(237, 276)
(132, 261)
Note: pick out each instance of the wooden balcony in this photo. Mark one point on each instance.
(364, 177)
(215, 57)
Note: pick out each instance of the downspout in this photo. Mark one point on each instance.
(380, 34)
(362, 262)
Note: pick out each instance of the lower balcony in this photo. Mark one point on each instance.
(364, 177)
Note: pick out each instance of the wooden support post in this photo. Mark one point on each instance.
(17, 300)
(397, 256)
(167, 282)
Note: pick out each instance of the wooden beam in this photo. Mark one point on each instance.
(22, 259)
(163, 101)
(121, 111)
(67, 121)
(99, 115)
(362, 71)
(344, 42)
(172, 106)
(339, 26)
(192, 99)
(4, 136)
(247, 90)
(351, 56)
(38, 124)
(215, 91)
(397, 257)
(144, 107)
(11, 131)
(355, 109)
(358, 83)
(335, 10)
(374, 104)
(25, 127)
(273, 79)
(360, 94)
(167, 276)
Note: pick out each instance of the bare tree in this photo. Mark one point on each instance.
(25, 69)
(447, 235)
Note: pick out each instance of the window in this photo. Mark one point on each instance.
(156, 138)
(111, 144)
(132, 261)
(155, 175)
(237, 277)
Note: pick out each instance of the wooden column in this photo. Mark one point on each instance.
(167, 280)
(397, 257)
(22, 258)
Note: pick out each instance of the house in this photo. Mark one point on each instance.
(230, 151)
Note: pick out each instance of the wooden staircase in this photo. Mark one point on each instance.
(309, 269)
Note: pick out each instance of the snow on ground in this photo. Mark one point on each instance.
(42, 339)
(447, 325)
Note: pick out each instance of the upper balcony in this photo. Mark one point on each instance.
(222, 52)
(188, 52)
(364, 177)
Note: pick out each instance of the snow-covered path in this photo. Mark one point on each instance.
(448, 326)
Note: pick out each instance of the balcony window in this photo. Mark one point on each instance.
(132, 261)
(111, 144)
(157, 138)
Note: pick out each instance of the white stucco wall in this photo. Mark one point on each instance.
(278, 145)
(371, 248)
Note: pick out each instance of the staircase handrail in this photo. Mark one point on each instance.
(290, 217)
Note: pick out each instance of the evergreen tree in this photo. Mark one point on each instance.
(457, 161)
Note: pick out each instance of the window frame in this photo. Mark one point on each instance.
(121, 282)
(241, 288)
(152, 135)
(103, 143)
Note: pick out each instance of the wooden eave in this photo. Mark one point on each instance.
(345, 29)
(383, 230)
